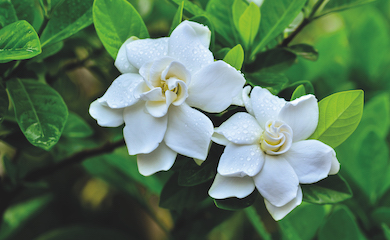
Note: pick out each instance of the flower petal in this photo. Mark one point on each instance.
(146, 50)
(280, 212)
(189, 131)
(106, 116)
(277, 181)
(243, 100)
(186, 45)
(151, 71)
(302, 116)
(143, 132)
(241, 128)
(157, 108)
(213, 88)
(123, 91)
(335, 167)
(202, 32)
(265, 105)
(225, 187)
(161, 159)
(178, 71)
(241, 160)
(310, 159)
(122, 62)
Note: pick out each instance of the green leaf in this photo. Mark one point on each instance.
(109, 18)
(340, 225)
(177, 18)
(386, 231)
(4, 103)
(190, 7)
(274, 82)
(340, 114)
(29, 10)
(76, 127)
(67, 19)
(309, 89)
(275, 60)
(332, 189)
(18, 41)
(191, 174)
(17, 215)
(40, 111)
(277, 16)
(49, 50)
(248, 24)
(382, 215)
(340, 5)
(298, 92)
(234, 203)
(304, 50)
(7, 13)
(256, 222)
(238, 8)
(235, 57)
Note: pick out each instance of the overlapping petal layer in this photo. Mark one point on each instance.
(225, 187)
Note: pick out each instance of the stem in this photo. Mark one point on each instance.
(256, 222)
(74, 159)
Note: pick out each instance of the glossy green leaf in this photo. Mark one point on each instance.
(304, 50)
(276, 60)
(220, 14)
(298, 92)
(29, 10)
(309, 89)
(235, 57)
(17, 215)
(234, 203)
(274, 82)
(340, 5)
(67, 19)
(109, 18)
(40, 111)
(177, 18)
(49, 50)
(4, 103)
(239, 7)
(248, 24)
(340, 114)
(7, 13)
(340, 225)
(332, 189)
(18, 41)
(277, 15)
(76, 127)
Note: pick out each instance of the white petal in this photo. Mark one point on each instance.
(310, 159)
(335, 167)
(157, 108)
(146, 50)
(241, 160)
(302, 116)
(178, 71)
(186, 45)
(143, 132)
(265, 105)
(122, 62)
(106, 116)
(189, 131)
(151, 71)
(241, 128)
(242, 97)
(225, 187)
(277, 181)
(202, 32)
(280, 212)
(247, 100)
(123, 91)
(155, 94)
(182, 91)
(161, 159)
(213, 88)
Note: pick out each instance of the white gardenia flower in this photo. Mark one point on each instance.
(268, 151)
(162, 79)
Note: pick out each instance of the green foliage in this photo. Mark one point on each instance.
(248, 24)
(18, 41)
(76, 127)
(3, 103)
(31, 11)
(304, 50)
(177, 18)
(108, 18)
(7, 13)
(235, 57)
(234, 203)
(40, 111)
(339, 5)
(340, 114)
(298, 92)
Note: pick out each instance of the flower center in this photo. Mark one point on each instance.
(276, 138)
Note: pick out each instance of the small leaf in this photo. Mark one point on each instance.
(4, 103)
(115, 22)
(309, 89)
(332, 189)
(67, 19)
(339, 116)
(235, 57)
(304, 50)
(18, 41)
(76, 127)
(234, 203)
(40, 111)
(298, 92)
(239, 7)
(7, 13)
(248, 24)
(177, 18)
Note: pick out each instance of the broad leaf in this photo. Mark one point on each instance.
(340, 5)
(40, 111)
(275, 60)
(177, 18)
(49, 50)
(235, 57)
(340, 114)
(298, 92)
(304, 50)
(277, 16)
(248, 24)
(3, 103)
(274, 82)
(18, 41)
(115, 22)
(7, 13)
(239, 7)
(29, 10)
(332, 189)
(386, 231)
(67, 19)
(234, 203)
(76, 127)
(382, 215)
